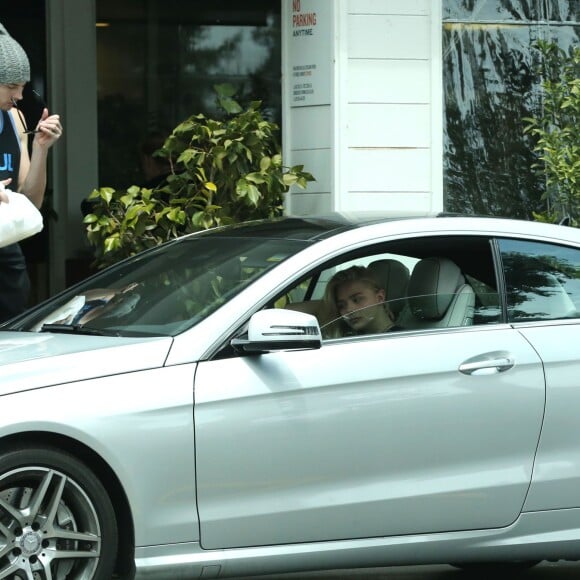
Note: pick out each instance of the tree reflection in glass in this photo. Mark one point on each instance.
(543, 281)
(490, 84)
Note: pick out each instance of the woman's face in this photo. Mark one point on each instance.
(360, 304)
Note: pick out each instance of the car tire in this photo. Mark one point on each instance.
(56, 519)
(499, 569)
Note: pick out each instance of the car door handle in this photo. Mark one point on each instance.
(486, 366)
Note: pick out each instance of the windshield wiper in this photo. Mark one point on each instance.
(77, 329)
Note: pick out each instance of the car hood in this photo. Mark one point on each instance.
(30, 360)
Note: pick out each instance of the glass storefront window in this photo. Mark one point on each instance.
(491, 10)
(506, 10)
(490, 85)
(158, 61)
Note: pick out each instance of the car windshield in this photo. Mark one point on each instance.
(163, 291)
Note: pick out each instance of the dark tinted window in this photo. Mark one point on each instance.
(543, 280)
(158, 62)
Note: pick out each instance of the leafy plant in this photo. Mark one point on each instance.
(556, 130)
(223, 171)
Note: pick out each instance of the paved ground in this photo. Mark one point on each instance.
(544, 571)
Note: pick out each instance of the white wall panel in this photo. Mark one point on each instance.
(378, 144)
(306, 204)
(386, 36)
(310, 127)
(397, 202)
(389, 170)
(389, 126)
(389, 81)
(389, 7)
(315, 161)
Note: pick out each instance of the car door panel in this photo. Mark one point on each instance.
(556, 479)
(367, 437)
(542, 283)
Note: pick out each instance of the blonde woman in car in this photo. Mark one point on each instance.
(359, 300)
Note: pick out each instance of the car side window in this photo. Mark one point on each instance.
(420, 283)
(542, 280)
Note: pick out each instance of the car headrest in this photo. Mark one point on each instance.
(395, 277)
(432, 287)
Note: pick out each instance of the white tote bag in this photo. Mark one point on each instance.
(19, 219)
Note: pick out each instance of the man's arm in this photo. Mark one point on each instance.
(32, 174)
(24, 157)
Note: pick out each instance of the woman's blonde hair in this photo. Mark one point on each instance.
(337, 327)
(352, 274)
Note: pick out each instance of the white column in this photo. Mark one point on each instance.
(370, 129)
(309, 97)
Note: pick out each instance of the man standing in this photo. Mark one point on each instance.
(23, 173)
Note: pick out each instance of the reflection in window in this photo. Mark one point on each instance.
(490, 85)
(516, 10)
(167, 289)
(158, 62)
(543, 281)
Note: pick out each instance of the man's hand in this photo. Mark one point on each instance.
(3, 194)
(50, 129)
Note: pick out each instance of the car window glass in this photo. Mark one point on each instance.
(408, 261)
(487, 307)
(542, 280)
(429, 283)
(166, 290)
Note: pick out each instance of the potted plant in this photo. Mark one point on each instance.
(221, 171)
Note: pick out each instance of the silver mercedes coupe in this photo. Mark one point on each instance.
(209, 408)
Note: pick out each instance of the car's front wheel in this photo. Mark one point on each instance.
(56, 519)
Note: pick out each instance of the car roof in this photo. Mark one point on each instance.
(318, 227)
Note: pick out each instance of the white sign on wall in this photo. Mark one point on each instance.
(310, 52)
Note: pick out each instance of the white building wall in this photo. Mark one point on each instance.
(376, 143)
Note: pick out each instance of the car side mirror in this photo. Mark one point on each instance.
(279, 329)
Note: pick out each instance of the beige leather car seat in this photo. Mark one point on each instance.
(438, 296)
(395, 279)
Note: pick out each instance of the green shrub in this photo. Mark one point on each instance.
(222, 171)
(557, 134)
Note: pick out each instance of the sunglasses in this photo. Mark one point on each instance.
(28, 131)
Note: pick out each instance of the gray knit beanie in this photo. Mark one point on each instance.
(14, 65)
